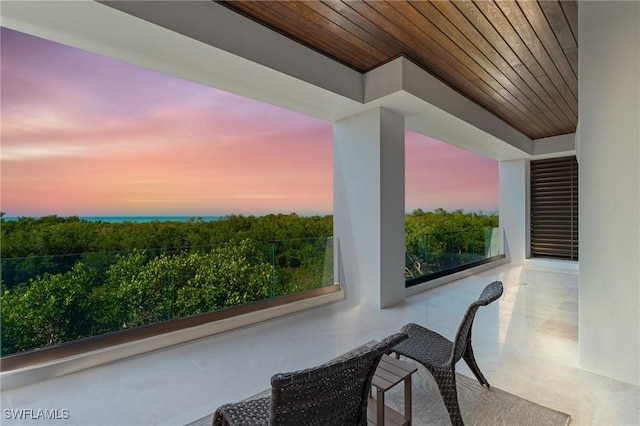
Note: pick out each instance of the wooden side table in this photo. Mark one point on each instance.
(389, 373)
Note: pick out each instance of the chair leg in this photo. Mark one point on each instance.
(446, 380)
(470, 359)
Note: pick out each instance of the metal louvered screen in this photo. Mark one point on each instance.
(554, 208)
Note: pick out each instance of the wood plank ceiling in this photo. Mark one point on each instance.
(518, 59)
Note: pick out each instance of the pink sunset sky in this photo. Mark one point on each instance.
(86, 135)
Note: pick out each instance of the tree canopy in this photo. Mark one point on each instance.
(65, 279)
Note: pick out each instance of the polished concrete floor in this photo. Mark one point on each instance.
(526, 344)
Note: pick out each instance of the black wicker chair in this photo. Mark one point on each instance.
(334, 393)
(439, 355)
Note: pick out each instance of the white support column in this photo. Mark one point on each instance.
(368, 186)
(513, 208)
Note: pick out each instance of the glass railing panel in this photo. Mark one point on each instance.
(301, 264)
(442, 251)
(48, 300)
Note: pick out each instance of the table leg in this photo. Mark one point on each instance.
(380, 407)
(407, 399)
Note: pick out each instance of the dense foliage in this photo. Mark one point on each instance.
(440, 240)
(137, 289)
(66, 278)
(53, 235)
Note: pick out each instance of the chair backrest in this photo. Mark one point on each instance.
(490, 293)
(334, 393)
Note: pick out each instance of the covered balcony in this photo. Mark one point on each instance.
(526, 344)
(565, 335)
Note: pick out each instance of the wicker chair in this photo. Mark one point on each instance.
(439, 355)
(334, 393)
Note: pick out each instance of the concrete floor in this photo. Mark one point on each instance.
(526, 344)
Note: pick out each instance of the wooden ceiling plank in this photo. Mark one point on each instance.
(555, 101)
(436, 66)
(286, 21)
(391, 44)
(325, 40)
(393, 12)
(570, 9)
(343, 16)
(551, 38)
(455, 44)
(270, 18)
(572, 57)
(411, 47)
(558, 23)
(502, 25)
(517, 19)
(526, 83)
(562, 29)
(546, 82)
(450, 21)
(315, 12)
(480, 23)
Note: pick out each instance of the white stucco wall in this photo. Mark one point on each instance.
(513, 208)
(609, 166)
(368, 206)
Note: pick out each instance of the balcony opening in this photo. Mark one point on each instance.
(451, 202)
(136, 203)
